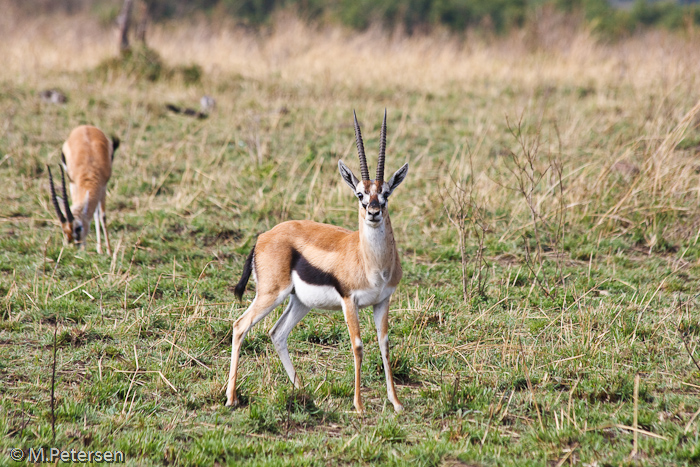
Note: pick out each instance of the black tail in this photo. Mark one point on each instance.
(115, 144)
(245, 275)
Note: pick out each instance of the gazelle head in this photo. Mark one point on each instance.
(372, 194)
(74, 228)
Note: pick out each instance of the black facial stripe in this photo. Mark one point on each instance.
(313, 275)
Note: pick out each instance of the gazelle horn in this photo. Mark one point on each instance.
(361, 150)
(61, 217)
(66, 206)
(382, 151)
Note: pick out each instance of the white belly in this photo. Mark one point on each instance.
(323, 297)
(326, 297)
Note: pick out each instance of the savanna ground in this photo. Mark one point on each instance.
(569, 168)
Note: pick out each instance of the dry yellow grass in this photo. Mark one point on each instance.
(298, 52)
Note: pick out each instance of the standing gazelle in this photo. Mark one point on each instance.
(330, 268)
(87, 158)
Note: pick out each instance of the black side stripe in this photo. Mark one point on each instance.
(313, 275)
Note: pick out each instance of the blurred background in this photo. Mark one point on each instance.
(611, 18)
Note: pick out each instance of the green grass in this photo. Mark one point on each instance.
(525, 373)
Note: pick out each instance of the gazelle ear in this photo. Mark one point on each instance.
(63, 164)
(348, 176)
(397, 178)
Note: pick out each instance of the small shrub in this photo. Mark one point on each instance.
(141, 63)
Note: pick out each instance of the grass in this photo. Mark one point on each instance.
(591, 277)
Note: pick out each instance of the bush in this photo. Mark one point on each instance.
(143, 63)
(139, 62)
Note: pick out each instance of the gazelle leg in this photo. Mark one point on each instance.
(96, 220)
(279, 333)
(261, 306)
(353, 321)
(103, 221)
(381, 321)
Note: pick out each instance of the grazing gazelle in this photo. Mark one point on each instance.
(327, 267)
(87, 158)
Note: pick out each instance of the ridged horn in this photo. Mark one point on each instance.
(60, 215)
(382, 151)
(360, 149)
(66, 206)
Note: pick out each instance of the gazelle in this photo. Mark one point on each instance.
(330, 268)
(87, 158)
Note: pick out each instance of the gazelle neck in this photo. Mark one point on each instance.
(378, 248)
